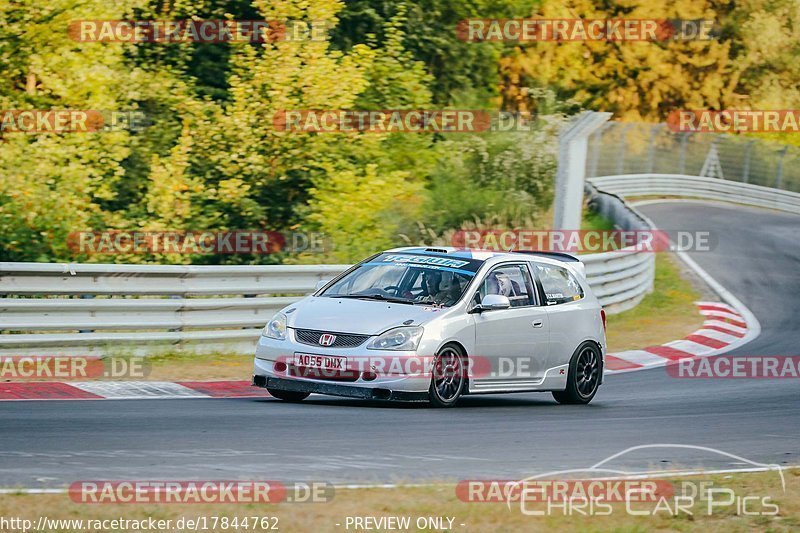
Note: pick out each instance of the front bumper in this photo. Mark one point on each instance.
(337, 389)
(398, 375)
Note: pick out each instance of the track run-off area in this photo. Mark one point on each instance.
(756, 258)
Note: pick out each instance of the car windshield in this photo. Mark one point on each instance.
(408, 278)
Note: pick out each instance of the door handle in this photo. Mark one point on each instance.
(538, 323)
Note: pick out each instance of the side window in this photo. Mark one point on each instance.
(513, 281)
(559, 285)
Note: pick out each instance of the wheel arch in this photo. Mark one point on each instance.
(464, 353)
(600, 349)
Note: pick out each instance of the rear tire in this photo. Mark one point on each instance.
(583, 378)
(288, 395)
(448, 377)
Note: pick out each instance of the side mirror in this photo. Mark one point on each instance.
(321, 283)
(492, 302)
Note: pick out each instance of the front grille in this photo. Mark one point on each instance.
(343, 340)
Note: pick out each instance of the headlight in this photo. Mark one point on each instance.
(276, 328)
(402, 338)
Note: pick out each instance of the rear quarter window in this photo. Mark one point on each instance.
(559, 285)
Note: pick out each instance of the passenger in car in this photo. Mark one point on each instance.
(438, 292)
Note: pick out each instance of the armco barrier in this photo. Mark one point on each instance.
(147, 309)
(144, 309)
(620, 279)
(699, 187)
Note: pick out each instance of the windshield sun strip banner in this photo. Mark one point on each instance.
(428, 262)
(429, 267)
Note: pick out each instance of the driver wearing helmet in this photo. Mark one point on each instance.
(433, 292)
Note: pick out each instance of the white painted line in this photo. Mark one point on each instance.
(118, 390)
(721, 305)
(644, 474)
(721, 314)
(753, 326)
(694, 348)
(738, 312)
(717, 335)
(726, 325)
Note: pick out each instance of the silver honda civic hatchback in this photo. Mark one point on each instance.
(437, 324)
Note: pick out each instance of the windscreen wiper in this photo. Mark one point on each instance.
(380, 297)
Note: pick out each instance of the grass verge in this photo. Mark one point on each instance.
(200, 367)
(441, 501)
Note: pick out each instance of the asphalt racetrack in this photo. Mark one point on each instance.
(757, 258)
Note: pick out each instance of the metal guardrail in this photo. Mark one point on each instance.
(171, 280)
(632, 185)
(144, 309)
(620, 279)
(607, 193)
(699, 187)
(148, 309)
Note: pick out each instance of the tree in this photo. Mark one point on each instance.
(462, 73)
(634, 80)
(768, 49)
(54, 184)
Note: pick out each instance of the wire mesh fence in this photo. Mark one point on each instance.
(637, 148)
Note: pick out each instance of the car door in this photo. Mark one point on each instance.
(511, 345)
(570, 315)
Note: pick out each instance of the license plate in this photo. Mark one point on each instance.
(324, 362)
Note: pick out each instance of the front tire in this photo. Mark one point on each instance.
(448, 377)
(583, 378)
(288, 395)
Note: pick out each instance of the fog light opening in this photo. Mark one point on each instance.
(369, 376)
(381, 394)
(280, 366)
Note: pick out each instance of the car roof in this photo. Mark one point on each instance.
(484, 255)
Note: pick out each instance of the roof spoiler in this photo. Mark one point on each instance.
(560, 256)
